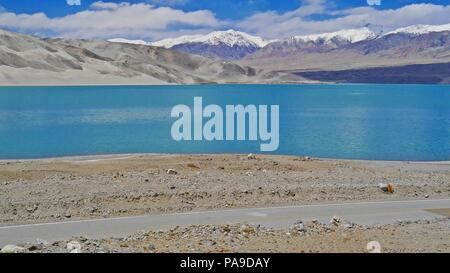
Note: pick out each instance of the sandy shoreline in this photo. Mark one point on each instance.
(99, 157)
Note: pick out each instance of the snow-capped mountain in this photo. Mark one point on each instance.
(420, 29)
(419, 44)
(170, 42)
(316, 43)
(230, 38)
(346, 35)
(235, 45)
(126, 41)
(227, 45)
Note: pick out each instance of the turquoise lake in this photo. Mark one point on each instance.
(375, 122)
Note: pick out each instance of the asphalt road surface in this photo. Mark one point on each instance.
(364, 213)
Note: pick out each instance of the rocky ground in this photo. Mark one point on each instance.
(309, 236)
(92, 187)
(105, 186)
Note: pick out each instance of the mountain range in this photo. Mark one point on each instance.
(224, 45)
(236, 46)
(356, 48)
(31, 60)
(414, 54)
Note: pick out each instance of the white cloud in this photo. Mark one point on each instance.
(152, 22)
(73, 2)
(100, 5)
(169, 3)
(107, 20)
(299, 22)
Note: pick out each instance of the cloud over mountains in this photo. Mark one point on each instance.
(158, 19)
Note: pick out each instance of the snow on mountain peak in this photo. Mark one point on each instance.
(125, 41)
(349, 35)
(233, 38)
(170, 42)
(420, 29)
(229, 37)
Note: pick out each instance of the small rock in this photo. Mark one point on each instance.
(73, 247)
(246, 229)
(251, 156)
(208, 243)
(172, 172)
(82, 239)
(42, 242)
(225, 228)
(151, 247)
(67, 215)
(39, 245)
(348, 225)
(35, 247)
(383, 187)
(32, 209)
(12, 249)
(298, 226)
(91, 209)
(335, 220)
(387, 188)
(427, 196)
(290, 193)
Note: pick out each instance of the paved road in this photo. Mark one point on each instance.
(367, 213)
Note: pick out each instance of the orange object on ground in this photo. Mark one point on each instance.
(390, 188)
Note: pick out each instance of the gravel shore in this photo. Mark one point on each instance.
(106, 186)
(309, 236)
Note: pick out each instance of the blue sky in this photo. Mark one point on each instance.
(157, 19)
(224, 9)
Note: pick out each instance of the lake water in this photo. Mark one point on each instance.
(382, 122)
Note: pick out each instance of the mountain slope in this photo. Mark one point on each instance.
(126, 41)
(29, 60)
(411, 74)
(358, 54)
(313, 43)
(226, 45)
(420, 29)
(401, 47)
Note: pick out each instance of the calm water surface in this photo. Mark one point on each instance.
(383, 122)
